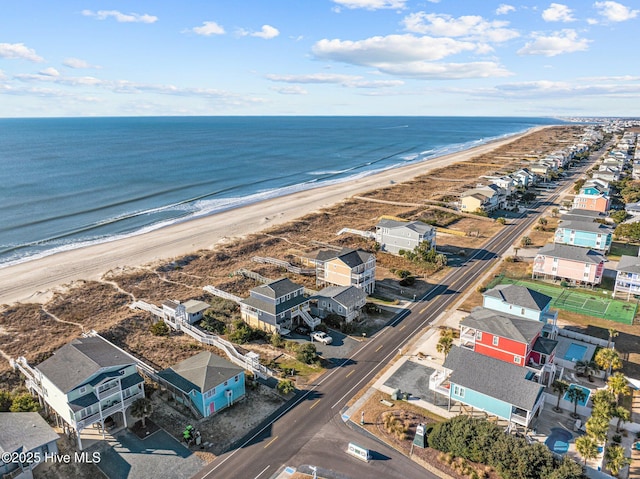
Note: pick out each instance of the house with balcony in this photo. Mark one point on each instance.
(189, 312)
(87, 381)
(482, 198)
(345, 301)
(569, 263)
(210, 383)
(501, 389)
(25, 433)
(595, 187)
(586, 234)
(277, 307)
(627, 283)
(512, 339)
(394, 236)
(524, 178)
(599, 202)
(577, 214)
(524, 303)
(347, 267)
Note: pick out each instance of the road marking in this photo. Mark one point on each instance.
(424, 309)
(262, 472)
(350, 373)
(403, 327)
(270, 442)
(380, 347)
(315, 403)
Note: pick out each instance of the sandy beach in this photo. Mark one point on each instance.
(36, 280)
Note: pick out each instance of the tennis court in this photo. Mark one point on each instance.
(579, 301)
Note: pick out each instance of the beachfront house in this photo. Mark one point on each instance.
(595, 187)
(482, 198)
(347, 267)
(277, 307)
(523, 302)
(394, 236)
(498, 388)
(345, 301)
(597, 202)
(586, 234)
(632, 209)
(207, 381)
(86, 382)
(627, 283)
(524, 178)
(569, 263)
(190, 311)
(25, 433)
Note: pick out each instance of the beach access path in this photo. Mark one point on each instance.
(36, 280)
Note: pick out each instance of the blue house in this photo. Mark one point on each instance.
(483, 383)
(209, 382)
(523, 302)
(587, 234)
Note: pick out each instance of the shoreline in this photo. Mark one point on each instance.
(37, 279)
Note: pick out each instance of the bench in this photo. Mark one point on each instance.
(386, 403)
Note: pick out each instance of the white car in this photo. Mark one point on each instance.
(321, 337)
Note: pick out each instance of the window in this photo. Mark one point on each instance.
(522, 311)
(82, 390)
(226, 383)
(458, 391)
(517, 359)
(495, 340)
(479, 335)
(236, 378)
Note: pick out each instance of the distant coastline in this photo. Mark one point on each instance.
(35, 280)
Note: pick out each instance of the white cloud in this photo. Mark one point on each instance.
(390, 49)
(445, 71)
(19, 51)
(290, 90)
(52, 72)
(77, 63)
(208, 28)
(547, 88)
(470, 27)
(371, 4)
(267, 32)
(558, 12)
(557, 43)
(615, 12)
(121, 17)
(352, 81)
(503, 9)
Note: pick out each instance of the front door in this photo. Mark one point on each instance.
(212, 408)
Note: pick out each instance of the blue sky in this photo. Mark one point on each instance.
(319, 57)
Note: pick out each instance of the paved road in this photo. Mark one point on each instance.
(299, 425)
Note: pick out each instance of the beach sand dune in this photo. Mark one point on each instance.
(36, 280)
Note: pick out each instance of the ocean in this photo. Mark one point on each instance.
(70, 182)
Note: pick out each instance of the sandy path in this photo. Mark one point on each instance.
(34, 281)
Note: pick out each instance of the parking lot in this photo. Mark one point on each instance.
(341, 347)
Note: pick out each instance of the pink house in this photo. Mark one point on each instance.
(571, 263)
(591, 202)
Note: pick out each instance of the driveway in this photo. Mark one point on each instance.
(341, 348)
(158, 455)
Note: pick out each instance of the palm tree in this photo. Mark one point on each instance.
(598, 428)
(623, 415)
(612, 334)
(603, 403)
(608, 359)
(559, 387)
(619, 386)
(141, 408)
(587, 368)
(587, 447)
(575, 396)
(445, 343)
(616, 460)
(525, 241)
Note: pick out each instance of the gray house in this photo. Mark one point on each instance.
(276, 306)
(393, 235)
(345, 301)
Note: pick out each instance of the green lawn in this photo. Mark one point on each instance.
(618, 249)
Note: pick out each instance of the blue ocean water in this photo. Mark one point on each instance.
(69, 182)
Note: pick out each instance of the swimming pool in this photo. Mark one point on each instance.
(587, 393)
(575, 352)
(558, 440)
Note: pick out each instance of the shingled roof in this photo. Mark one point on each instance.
(519, 296)
(572, 253)
(201, 372)
(519, 329)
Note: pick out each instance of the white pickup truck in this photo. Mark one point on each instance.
(321, 337)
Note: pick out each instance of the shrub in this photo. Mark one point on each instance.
(286, 386)
(307, 353)
(276, 340)
(159, 328)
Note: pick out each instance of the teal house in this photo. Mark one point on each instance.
(586, 234)
(206, 382)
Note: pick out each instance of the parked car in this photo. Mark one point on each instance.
(302, 329)
(321, 337)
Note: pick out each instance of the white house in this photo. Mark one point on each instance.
(394, 236)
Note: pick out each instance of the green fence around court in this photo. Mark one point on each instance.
(578, 301)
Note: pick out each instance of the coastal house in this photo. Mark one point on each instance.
(541, 169)
(277, 306)
(345, 301)
(25, 433)
(524, 303)
(627, 277)
(607, 173)
(570, 263)
(632, 209)
(595, 187)
(190, 311)
(394, 236)
(597, 202)
(635, 171)
(509, 338)
(482, 198)
(586, 234)
(577, 214)
(209, 382)
(501, 389)
(347, 267)
(87, 381)
(524, 178)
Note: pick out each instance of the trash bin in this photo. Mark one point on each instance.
(397, 394)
